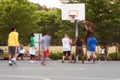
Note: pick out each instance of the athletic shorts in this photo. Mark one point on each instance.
(91, 53)
(32, 51)
(67, 53)
(46, 53)
(13, 49)
(79, 50)
(20, 55)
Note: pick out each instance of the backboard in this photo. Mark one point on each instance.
(73, 11)
(37, 38)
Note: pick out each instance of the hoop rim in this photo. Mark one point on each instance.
(72, 16)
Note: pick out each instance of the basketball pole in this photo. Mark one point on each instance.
(76, 29)
(76, 34)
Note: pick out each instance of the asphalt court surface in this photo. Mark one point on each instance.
(55, 70)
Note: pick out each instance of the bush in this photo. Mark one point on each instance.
(55, 55)
(80, 57)
(4, 56)
(114, 56)
(109, 58)
(99, 57)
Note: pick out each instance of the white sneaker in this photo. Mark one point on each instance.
(14, 62)
(86, 62)
(31, 61)
(99, 60)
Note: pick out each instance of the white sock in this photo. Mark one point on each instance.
(77, 58)
(14, 59)
(9, 61)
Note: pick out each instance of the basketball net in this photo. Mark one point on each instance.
(72, 18)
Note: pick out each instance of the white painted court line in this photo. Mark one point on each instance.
(78, 78)
(32, 77)
(56, 77)
(75, 68)
(22, 68)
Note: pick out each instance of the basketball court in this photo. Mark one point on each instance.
(55, 70)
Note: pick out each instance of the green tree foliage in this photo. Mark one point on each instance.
(51, 21)
(28, 17)
(106, 15)
(17, 13)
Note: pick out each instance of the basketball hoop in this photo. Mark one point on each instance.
(72, 18)
(72, 15)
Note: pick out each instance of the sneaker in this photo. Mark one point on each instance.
(105, 60)
(62, 61)
(43, 64)
(71, 61)
(31, 61)
(99, 60)
(94, 61)
(86, 62)
(13, 62)
(82, 62)
(10, 64)
(74, 60)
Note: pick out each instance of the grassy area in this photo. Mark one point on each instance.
(59, 49)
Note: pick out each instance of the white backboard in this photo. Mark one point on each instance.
(75, 9)
(37, 38)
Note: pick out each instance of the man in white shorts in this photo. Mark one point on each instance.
(91, 50)
(32, 48)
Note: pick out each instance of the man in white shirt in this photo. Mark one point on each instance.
(66, 48)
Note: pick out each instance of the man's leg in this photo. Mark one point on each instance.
(94, 57)
(43, 57)
(82, 57)
(75, 57)
(22, 57)
(82, 54)
(69, 56)
(15, 56)
(64, 55)
(88, 56)
(42, 60)
(63, 59)
(10, 57)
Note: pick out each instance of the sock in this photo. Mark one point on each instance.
(76, 58)
(9, 61)
(89, 60)
(14, 59)
(93, 60)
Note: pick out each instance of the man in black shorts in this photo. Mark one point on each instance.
(66, 48)
(79, 49)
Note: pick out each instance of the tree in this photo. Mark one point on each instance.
(50, 21)
(20, 14)
(106, 15)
